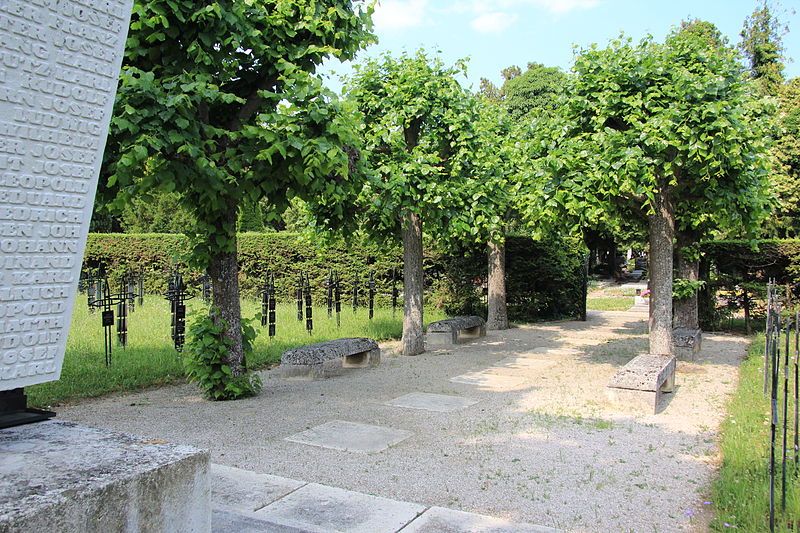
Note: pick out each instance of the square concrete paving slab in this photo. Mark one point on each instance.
(552, 351)
(522, 363)
(234, 489)
(350, 436)
(441, 520)
(431, 402)
(490, 380)
(321, 508)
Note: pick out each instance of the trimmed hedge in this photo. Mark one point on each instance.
(287, 255)
(544, 279)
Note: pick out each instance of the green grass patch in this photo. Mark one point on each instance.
(619, 291)
(150, 358)
(741, 493)
(612, 303)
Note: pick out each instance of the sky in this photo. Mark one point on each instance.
(495, 34)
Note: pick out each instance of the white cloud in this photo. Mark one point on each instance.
(557, 7)
(561, 7)
(399, 14)
(494, 22)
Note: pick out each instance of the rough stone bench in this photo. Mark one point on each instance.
(640, 384)
(456, 330)
(686, 343)
(330, 358)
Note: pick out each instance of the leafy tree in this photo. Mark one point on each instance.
(220, 101)
(786, 177)
(158, 212)
(658, 132)
(501, 160)
(536, 88)
(761, 44)
(419, 138)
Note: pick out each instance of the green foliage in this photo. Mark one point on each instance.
(419, 139)
(205, 360)
(785, 180)
(761, 44)
(536, 88)
(705, 31)
(250, 217)
(645, 119)
(156, 213)
(544, 279)
(685, 288)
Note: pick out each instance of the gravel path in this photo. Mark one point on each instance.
(548, 450)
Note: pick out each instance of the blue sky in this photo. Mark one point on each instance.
(497, 33)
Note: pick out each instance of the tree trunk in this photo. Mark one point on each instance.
(686, 310)
(224, 273)
(498, 312)
(413, 340)
(662, 231)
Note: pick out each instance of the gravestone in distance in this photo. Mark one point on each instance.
(59, 66)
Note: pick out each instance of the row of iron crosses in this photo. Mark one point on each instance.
(777, 324)
(131, 294)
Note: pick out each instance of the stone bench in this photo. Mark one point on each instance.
(330, 358)
(686, 343)
(456, 330)
(640, 384)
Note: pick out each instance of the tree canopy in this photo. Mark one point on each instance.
(420, 144)
(219, 101)
(660, 132)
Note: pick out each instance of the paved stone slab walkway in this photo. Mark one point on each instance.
(244, 501)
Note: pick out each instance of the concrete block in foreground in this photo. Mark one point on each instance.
(686, 343)
(63, 477)
(639, 385)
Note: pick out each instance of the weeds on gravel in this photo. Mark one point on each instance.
(150, 358)
(741, 493)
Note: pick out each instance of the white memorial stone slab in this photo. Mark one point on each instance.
(350, 436)
(59, 65)
(489, 380)
(431, 402)
(321, 508)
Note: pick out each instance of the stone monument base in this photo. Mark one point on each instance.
(59, 476)
(686, 343)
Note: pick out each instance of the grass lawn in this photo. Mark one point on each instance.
(741, 494)
(609, 303)
(150, 358)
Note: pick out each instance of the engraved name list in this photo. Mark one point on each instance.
(59, 65)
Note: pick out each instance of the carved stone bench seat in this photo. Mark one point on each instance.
(329, 358)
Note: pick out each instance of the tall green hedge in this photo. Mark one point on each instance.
(544, 279)
(287, 255)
